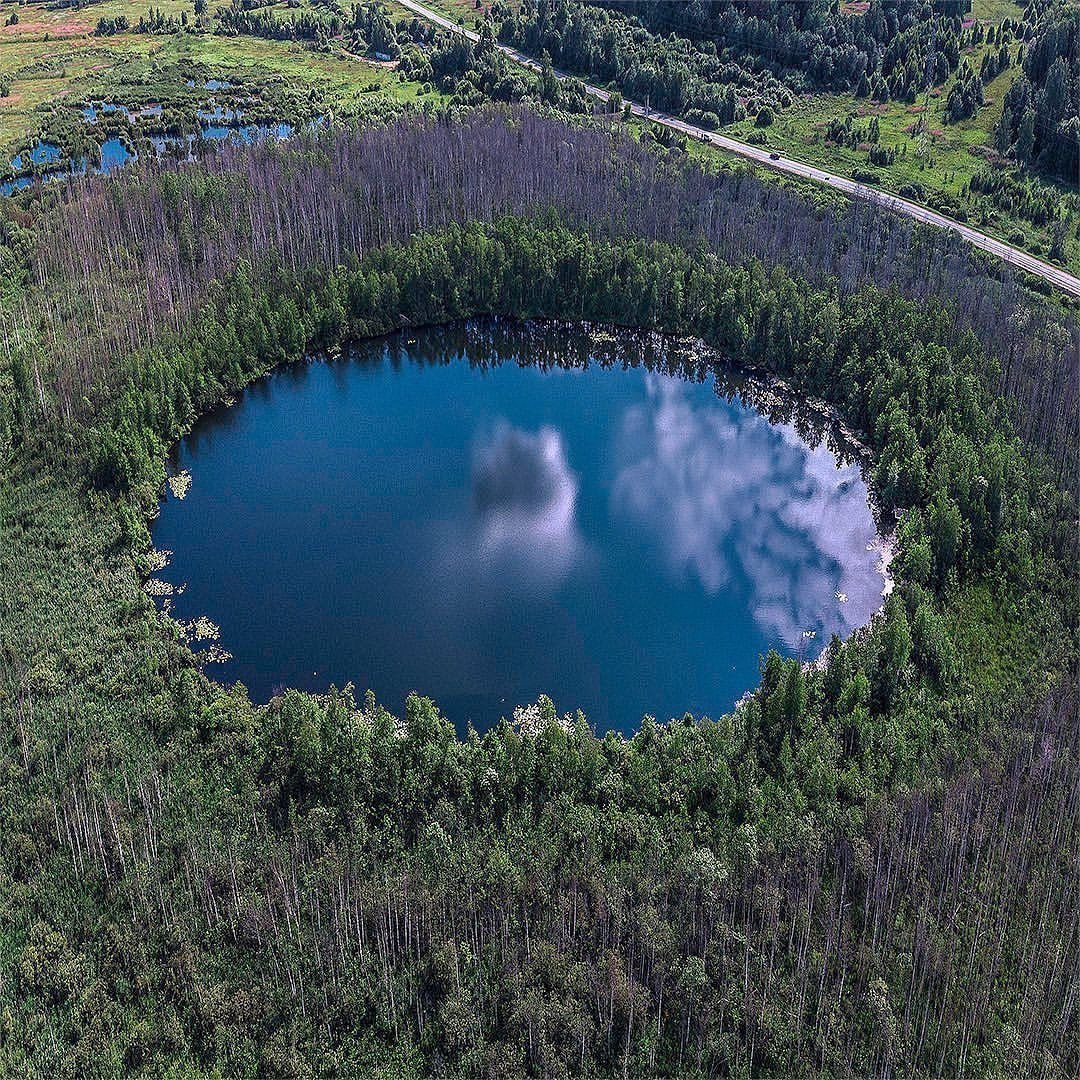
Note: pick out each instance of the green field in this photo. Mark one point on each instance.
(54, 61)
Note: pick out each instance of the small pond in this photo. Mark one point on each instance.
(487, 512)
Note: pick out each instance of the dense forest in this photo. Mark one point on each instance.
(707, 60)
(870, 866)
(1040, 120)
(473, 73)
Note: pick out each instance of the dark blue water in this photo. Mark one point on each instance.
(622, 540)
(114, 154)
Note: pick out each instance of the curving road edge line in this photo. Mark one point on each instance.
(1055, 275)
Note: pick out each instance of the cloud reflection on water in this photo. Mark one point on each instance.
(729, 499)
(522, 533)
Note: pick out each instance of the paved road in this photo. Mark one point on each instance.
(1054, 274)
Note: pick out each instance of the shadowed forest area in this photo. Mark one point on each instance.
(869, 866)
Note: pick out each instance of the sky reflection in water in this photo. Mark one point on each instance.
(729, 497)
(624, 541)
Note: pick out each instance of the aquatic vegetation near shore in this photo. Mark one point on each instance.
(180, 483)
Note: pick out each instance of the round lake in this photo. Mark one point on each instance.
(489, 512)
